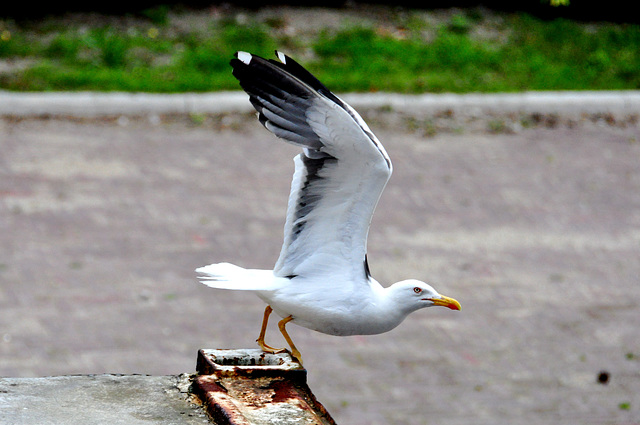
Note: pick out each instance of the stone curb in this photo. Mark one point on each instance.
(96, 104)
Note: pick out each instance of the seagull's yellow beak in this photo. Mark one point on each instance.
(447, 302)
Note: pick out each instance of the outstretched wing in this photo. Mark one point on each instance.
(339, 176)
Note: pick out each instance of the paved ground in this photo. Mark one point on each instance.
(536, 232)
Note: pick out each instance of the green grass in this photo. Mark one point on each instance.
(559, 55)
(463, 52)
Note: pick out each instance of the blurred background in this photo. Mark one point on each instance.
(529, 219)
(614, 11)
(465, 47)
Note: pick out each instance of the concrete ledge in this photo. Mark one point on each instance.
(568, 102)
(99, 400)
(93, 104)
(236, 387)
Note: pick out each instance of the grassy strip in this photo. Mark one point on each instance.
(560, 55)
(465, 52)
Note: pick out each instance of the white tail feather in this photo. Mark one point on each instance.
(230, 276)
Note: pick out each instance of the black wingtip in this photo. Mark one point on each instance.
(367, 272)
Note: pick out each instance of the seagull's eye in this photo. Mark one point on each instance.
(417, 290)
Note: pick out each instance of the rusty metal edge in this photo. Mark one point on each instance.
(223, 411)
(319, 407)
(220, 409)
(205, 366)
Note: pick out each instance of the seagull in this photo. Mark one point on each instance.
(321, 280)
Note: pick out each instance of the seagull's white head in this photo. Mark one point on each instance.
(413, 295)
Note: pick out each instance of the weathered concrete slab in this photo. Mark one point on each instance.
(98, 400)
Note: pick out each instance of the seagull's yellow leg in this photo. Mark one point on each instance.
(294, 351)
(266, 348)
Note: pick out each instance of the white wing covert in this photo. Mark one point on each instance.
(338, 177)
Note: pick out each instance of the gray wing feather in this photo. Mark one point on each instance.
(338, 177)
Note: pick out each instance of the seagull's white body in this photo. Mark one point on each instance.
(324, 302)
(321, 280)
